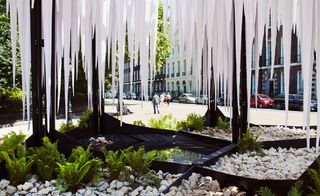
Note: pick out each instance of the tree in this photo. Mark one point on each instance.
(163, 40)
(6, 72)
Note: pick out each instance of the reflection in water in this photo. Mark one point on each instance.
(178, 155)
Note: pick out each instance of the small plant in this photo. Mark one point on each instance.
(265, 191)
(249, 142)
(115, 164)
(80, 168)
(315, 176)
(296, 189)
(164, 122)
(82, 123)
(138, 160)
(46, 159)
(222, 124)
(193, 122)
(66, 127)
(139, 123)
(17, 163)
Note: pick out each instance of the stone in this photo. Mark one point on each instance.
(20, 187)
(27, 186)
(47, 184)
(53, 182)
(103, 187)
(3, 193)
(81, 191)
(118, 193)
(66, 194)
(119, 184)
(11, 189)
(23, 192)
(162, 188)
(149, 189)
(33, 190)
(55, 193)
(45, 191)
(113, 184)
(136, 191)
(4, 183)
(88, 192)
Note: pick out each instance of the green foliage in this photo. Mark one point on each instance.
(139, 123)
(10, 100)
(152, 176)
(66, 127)
(80, 168)
(193, 122)
(82, 123)
(315, 176)
(138, 160)
(296, 189)
(222, 124)
(163, 49)
(114, 161)
(164, 122)
(265, 191)
(46, 159)
(6, 71)
(249, 142)
(17, 163)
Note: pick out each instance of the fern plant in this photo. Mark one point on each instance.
(265, 191)
(82, 123)
(18, 164)
(80, 168)
(164, 122)
(296, 189)
(193, 122)
(46, 159)
(115, 164)
(66, 127)
(139, 123)
(315, 176)
(249, 142)
(222, 124)
(138, 160)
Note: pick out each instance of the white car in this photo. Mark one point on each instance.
(187, 98)
(202, 99)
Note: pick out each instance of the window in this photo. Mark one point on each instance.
(282, 82)
(253, 84)
(191, 68)
(184, 67)
(178, 67)
(268, 54)
(299, 83)
(281, 52)
(172, 86)
(298, 52)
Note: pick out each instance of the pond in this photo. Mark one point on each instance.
(178, 155)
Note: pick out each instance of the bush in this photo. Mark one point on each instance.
(18, 164)
(66, 127)
(315, 176)
(82, 123)
(164, 122)
(139, 123)
(46, 159)
(114, 161)
(222, 124)
(10, 100)
(193, 122)
(265, 191)
(249, 142)
(80, 168)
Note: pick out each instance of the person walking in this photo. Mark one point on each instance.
(155, 103)
(168, 98)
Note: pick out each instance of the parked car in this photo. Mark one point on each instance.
(110, 94)
(203, 99)
(295, 102)
(186, 98)
(131, 95)
(263, 101)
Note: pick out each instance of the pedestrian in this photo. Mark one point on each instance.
(168, 98)
(162, 99)
(155, 102)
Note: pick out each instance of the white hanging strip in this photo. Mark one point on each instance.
(274, 17)
(13, 23)
(307, 60)
(58, 47)
(286, 18)
(317, 49)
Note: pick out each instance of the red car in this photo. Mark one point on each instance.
(264, 101)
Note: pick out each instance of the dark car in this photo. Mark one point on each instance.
(295, 102)
(263, 101)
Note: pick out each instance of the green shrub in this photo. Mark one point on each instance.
(66, 127)
(222, 124)
(193, 122)
(315, 176)
(46, 159)
(138, 160)
(80, 168)
(139, 123)
(249, 142)
(10, 100)
(296, 189)
(82, 123)
(164, 122)
(115, 163)
(265, 191)
(18, 164)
